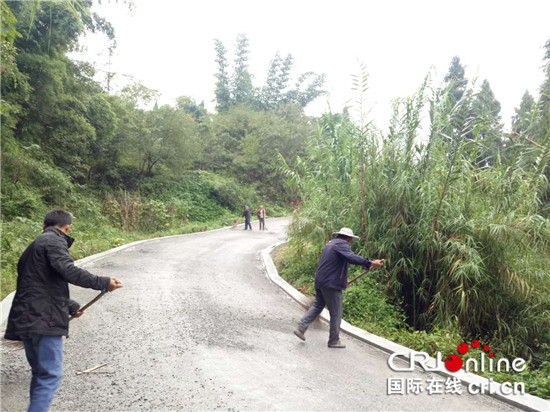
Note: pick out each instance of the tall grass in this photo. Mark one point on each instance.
(464, 242)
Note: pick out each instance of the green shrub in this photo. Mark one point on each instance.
(155, 215)
(191, 195)
(16, 236)
(365, 302)
(300, 271)
(20, 200)
(22, 168)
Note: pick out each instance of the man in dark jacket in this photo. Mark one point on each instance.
(331, 279)
(39, 314)
(246, 215)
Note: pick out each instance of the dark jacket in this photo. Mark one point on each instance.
(332, 271)
(41, 304)
(246, 213)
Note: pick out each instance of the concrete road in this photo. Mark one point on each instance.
(198, 326)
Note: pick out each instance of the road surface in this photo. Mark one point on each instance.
(198, 325)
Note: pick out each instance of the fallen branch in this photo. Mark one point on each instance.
(91, 369)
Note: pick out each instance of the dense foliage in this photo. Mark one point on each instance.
(125, 167)
(456, 207)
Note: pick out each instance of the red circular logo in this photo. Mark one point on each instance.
(463, 348)
(453, 363)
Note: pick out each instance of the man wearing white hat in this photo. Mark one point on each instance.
(331, 279)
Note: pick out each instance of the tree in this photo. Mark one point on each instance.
(239, 90)
(190, 107)
(455, 78)
(223, 95)
(54, 27)
(488, 128)
(278, 76)
(102, 154)
(543, 135)
(139, 94)
(242, 91)
(545, 87)
(522, 112)
(544, 104)
(307, 89)
(15, 88)
(245, 144)
(47, 94)
(169, 141)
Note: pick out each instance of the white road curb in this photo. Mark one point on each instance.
(526, 402)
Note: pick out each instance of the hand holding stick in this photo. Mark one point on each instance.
(114, 284)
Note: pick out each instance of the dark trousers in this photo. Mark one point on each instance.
(331, 298)
(262, 223)
(247, 224)
(45, 356)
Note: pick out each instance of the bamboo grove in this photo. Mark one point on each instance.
(457, 213)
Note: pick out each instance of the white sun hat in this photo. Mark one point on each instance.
(346, 231)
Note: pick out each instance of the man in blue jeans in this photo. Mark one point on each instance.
(246, 215)
(40, 311)
(331, 279)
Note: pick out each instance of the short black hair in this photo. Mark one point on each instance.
(58, 217)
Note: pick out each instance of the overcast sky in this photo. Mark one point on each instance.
(168, 45)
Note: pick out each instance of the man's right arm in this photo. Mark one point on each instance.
(59, 258)
(352, 258)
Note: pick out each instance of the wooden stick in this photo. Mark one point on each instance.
(90, 303)
(361, 275)
(91, 369)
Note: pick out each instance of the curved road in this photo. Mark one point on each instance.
(198, 325)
